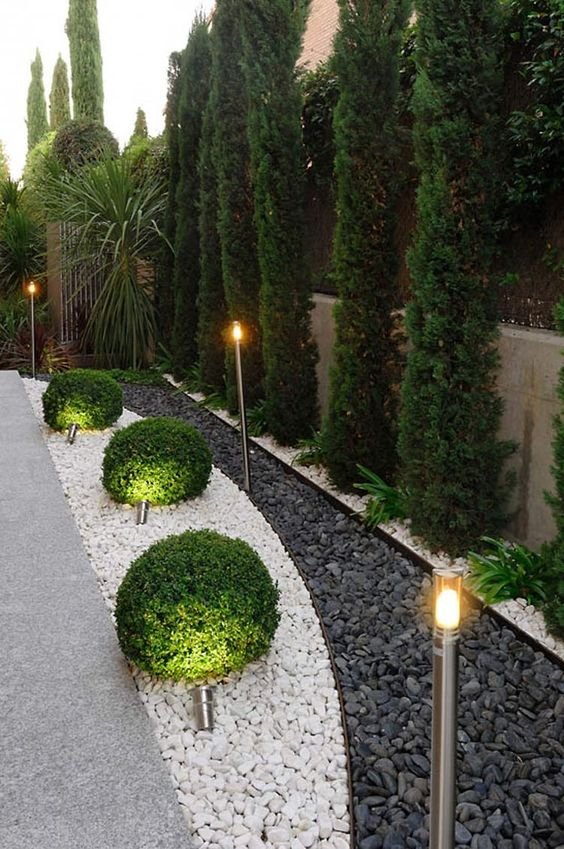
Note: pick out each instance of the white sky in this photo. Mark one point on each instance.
(137, 37)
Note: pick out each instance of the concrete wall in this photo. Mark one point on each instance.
(530, 362)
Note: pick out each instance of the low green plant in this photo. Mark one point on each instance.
(256, 419)
(144, 377)
(196, 605)
(161, 460)
(386, 502)
(91, 399)
(507, 570)
(311, 452)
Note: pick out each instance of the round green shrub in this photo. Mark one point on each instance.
(80, 143)
(161, 460)
(195, 606)
(91, 399)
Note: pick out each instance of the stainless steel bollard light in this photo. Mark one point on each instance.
(237, 336)
(32, 290)
(202, 699)
(142, 512)
(446, 610)
(71, 433)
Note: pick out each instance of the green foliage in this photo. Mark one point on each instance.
(507, 571)
(386, 502)
(91, 399)
(86, 61)
(196, 606)
(361, 422)
(236, 224)
(40, 168)
(4, 169)
(15, 336)
(115, 220)
(164, 295)
(59, 98)
(145, 377)
(148, 157)
(140, 130)
(272, 46)
(37, 124)
(451, 457)
(161, 460)
(553, 612)
(194, 93)
(22, 245)
(311, 450)
(212, 311)
(320, 89)
(83, 142)
(257, 421)
(536, 133)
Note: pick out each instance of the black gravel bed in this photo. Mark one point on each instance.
(374, 604)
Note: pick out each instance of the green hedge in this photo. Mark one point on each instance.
(161, 460)
(196, 605)
(91, 399)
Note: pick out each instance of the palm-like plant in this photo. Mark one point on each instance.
(22, 254)
(507, 571)
(116, 223)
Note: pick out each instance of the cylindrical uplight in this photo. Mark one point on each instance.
(71, 433)
(237, 332)
(32, 289)
(447, 591)
(202, 699)
(142, 512)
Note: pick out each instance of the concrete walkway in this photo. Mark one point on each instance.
(80, 766)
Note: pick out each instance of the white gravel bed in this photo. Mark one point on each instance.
(273, 771)
(517, 612)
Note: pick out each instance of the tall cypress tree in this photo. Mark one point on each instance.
(37, 124)
(4, 169)
(239, 258)
(194, 93)
(86, 60)
(452, 459)
(140, 130)
(361, 422)
(59, 98)
(273, 30)
(164, 298)
(212, 311)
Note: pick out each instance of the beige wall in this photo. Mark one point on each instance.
(530, 361)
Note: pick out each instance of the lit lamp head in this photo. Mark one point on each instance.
(237, 331)
(446, 602)
(32, 288)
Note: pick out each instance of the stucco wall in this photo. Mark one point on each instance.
(530, 361)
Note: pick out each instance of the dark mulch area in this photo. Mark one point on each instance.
(374, 606)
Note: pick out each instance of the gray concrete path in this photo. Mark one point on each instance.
(80, 766)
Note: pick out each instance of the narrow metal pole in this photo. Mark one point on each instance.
(444, 732)
(32, 336)
(243, 416)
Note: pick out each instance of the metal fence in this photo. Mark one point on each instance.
(81, 283)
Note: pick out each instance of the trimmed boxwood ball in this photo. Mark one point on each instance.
(160, 460)
(195, 606)
(91, 399)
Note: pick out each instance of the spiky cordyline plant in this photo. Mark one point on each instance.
(116, 221)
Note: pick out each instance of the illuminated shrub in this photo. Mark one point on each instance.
(161, 460)
(195, 606)
(91, 399)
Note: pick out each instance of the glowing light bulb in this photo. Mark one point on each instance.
(447, 609)
(237, 331)
(32, 288)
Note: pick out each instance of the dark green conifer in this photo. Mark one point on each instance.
(361, 423)
(37, 124)
(140, 130)
(86, 61)
(212, 311)
(59, 98)
(194, 93)
(273, 31)
(452, 459)
(237, 232)
(164, 297)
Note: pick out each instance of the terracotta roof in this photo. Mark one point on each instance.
(321, 27)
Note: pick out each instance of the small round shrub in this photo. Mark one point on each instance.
(80, 143)
(161, 460)
(91, 399)
(195, 606)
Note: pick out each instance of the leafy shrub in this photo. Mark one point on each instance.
(161, 460)
(84, 143)
(88, 398)
(311, 451)
(257, 420)
(507, 571)
(143, 377)
(196, 605)
(386, 502)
